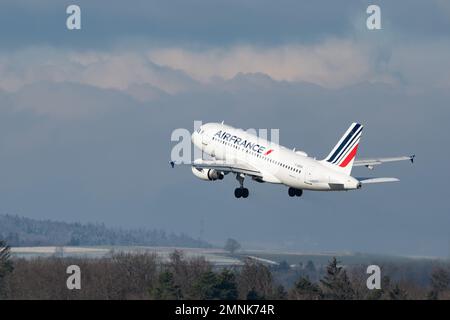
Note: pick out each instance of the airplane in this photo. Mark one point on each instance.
(245, 155)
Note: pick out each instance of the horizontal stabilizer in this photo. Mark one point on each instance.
(376, 180)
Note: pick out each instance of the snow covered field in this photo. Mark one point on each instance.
(215, 256)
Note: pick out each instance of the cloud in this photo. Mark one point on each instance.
(66, 100)
(421, 66)
(332, 63)
(119, 70)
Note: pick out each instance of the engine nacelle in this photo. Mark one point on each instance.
(207, 174)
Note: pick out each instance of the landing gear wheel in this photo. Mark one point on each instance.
(291, 192)
(298, 192)
(241, 191)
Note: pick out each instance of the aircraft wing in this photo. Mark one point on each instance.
(228, 166)
(370, 163)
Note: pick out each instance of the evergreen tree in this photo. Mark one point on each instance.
(304, 289)
(311, 271)
(211, 285)
(204, 288)
(383, 293)
(336, 284)
(166, 288)
(310, 267)
(254, 295)
(440, 280)
(227, 286)
(280, 293)
(398, 294)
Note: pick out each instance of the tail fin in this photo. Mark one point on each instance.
(344, 152)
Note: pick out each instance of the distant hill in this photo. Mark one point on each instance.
(21, 231)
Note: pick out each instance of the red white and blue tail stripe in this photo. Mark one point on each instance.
(344, 153)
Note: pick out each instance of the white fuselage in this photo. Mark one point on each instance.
(276, 163)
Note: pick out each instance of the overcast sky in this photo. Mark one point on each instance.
(86, 116)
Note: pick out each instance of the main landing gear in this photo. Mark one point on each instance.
(241, 191)
(295, 192)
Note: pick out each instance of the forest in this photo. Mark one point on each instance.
(21, 231)
(144, 275)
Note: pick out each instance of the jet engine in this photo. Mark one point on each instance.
(207, 174)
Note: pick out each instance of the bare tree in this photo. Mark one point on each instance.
(255, 281)
(5, 254)
(232, 245)
(5, 264)
(186, 271)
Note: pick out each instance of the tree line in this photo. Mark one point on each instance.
(148, 276)
(21, 231)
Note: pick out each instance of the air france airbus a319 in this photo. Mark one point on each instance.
(246, 155)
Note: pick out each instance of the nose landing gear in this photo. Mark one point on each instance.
(241, 191)
(295, 192)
